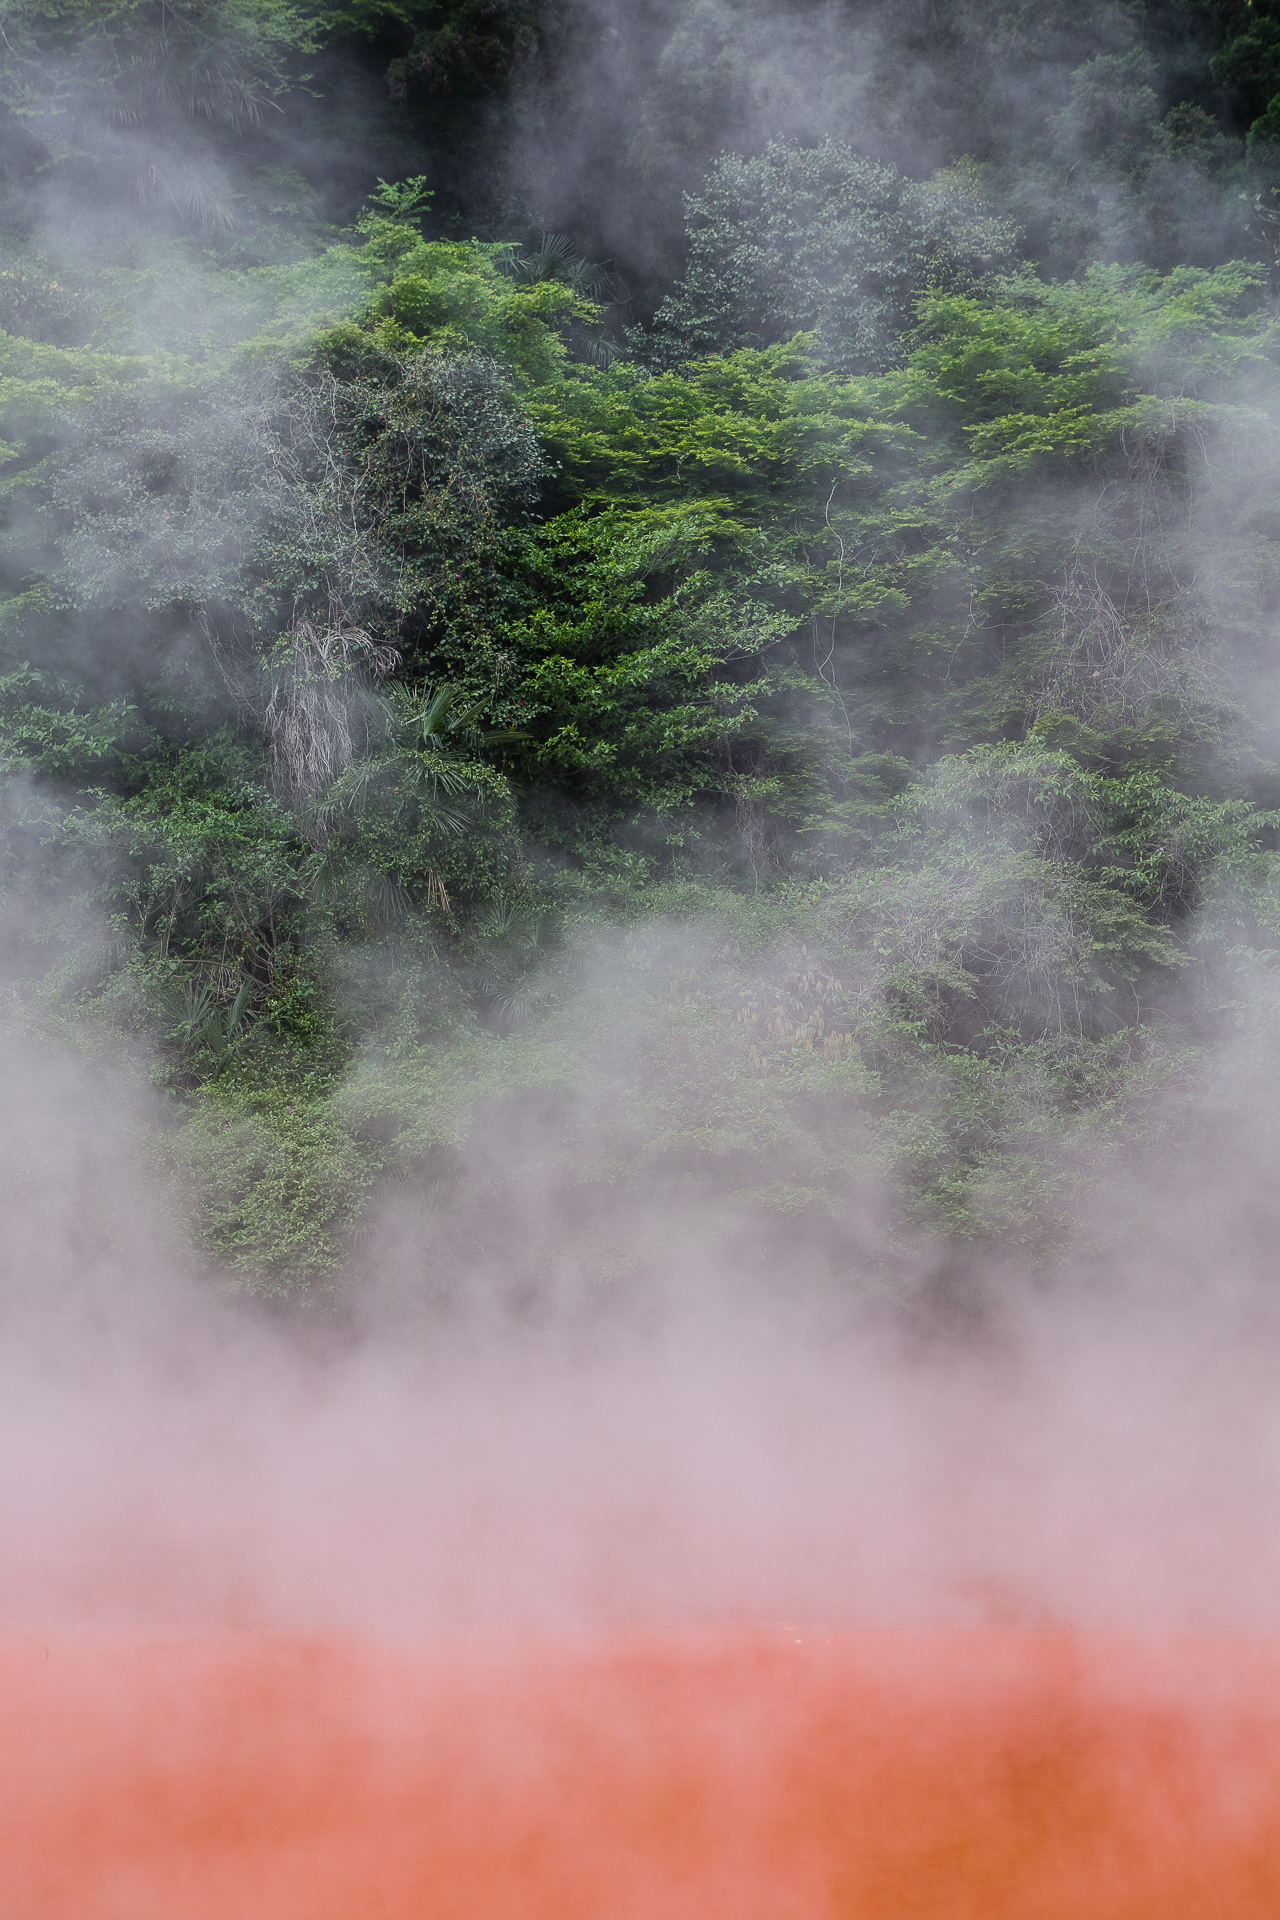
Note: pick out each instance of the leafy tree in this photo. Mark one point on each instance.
(818, 240)
(151, 93)
(872, 660)
(471, 47)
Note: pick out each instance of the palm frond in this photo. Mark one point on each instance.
(384, 899)
(556, 258)
(436, 709)
(200, 1025)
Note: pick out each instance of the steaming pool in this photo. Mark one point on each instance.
(784, 1774)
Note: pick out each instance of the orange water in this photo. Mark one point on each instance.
(924, 1776)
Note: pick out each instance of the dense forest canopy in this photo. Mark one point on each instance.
(662, 599)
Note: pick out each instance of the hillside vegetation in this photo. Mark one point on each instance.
(714, 683)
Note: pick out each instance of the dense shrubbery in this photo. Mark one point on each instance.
(818, 762)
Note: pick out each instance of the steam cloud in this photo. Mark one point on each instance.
(489, 1436)
(759, 1449)
(703, 1450)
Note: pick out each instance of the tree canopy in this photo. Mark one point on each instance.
(782, 711)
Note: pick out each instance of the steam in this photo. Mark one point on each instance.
(581, 1396)
(1031, 98)
(700, 1448)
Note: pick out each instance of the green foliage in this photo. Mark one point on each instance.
(129, 62)
(458, 297)
(817, 240)
(413, 816)
(803, 766)
(279, 1179)
(468, 47)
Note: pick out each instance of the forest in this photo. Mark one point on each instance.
(644, 622)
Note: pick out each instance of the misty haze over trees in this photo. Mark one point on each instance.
(667, 605)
